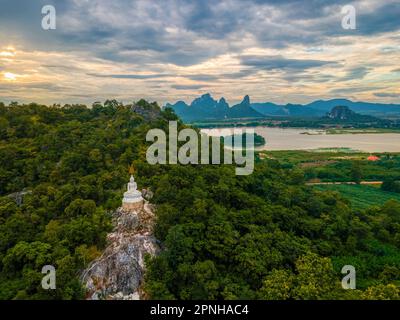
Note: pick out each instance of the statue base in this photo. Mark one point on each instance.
(133, 206)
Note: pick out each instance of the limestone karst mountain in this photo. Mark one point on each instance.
(345, 114)
(207, 108)
(243, 110)
(149, 111)
(118, 273)
(341, 113)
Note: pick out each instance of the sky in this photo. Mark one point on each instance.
(282, 51)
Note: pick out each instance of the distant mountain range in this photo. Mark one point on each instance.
(207, 108)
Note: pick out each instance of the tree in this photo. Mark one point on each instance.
(356, 172)
(80, 207)
(382, 292)
(315, 278)
(391, 185)
(277, 285)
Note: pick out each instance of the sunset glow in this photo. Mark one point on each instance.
(10, 76)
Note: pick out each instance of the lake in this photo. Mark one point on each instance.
(295, 139)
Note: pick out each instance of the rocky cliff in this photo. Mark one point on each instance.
(118, 273)
(344, 114)
(341, 113)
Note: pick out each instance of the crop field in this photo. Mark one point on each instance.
(362, 196)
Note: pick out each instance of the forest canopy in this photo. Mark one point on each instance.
(63, 170)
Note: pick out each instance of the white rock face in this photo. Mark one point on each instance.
(118, 273)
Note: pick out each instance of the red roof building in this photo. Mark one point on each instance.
(373, 158)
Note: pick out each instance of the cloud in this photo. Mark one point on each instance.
(222, 76)
(387, 94)
(281, 63)
(130, 76)
(179, 31)
(351, 90)
(202, 77)
(356, 73)
(305, 77)
(189, 86)
(384, 18)
(296, 50)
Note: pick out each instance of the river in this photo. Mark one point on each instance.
(295, 139)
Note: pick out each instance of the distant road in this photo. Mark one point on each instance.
(329, 183)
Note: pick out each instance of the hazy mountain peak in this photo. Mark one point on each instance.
(222, 104)
(206, 96)
(246, 100)
(205, 99)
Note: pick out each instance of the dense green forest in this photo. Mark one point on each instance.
(267, 236)
(262, 236)
(72, 164)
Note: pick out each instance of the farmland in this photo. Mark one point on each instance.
(361, 196)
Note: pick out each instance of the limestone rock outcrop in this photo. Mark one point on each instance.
(118, 273)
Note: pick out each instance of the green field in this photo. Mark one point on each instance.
(296, 157)
(362, 196)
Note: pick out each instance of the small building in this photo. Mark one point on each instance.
(373, 158)
(133, 199)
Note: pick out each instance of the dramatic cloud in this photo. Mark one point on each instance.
(281, 63)
(387, 94)
(356, 73)
(167, 50)
(129, 76)
(189, 87)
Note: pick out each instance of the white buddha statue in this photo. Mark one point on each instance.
(132, 198)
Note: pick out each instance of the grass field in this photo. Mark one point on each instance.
(362, 196)
(300, 156)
